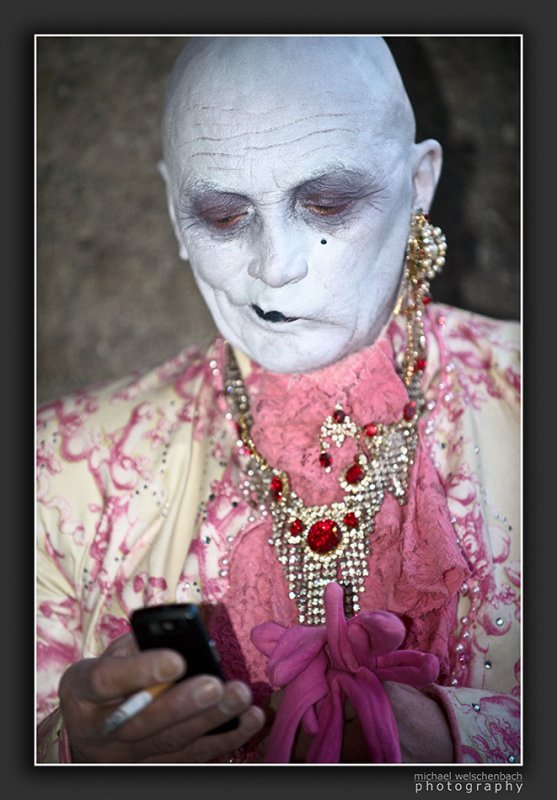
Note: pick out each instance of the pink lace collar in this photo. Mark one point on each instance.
(289, 409)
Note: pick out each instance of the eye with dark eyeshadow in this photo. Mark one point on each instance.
(332, 197)
(327, 210)
(224, 223)
(222, 212)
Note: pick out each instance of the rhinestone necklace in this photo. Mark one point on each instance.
(320, 544)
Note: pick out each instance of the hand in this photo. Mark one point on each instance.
(354, 749)
(425, 736)
(172, 729)
(424, 732)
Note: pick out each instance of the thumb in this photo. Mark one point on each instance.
(123, 646)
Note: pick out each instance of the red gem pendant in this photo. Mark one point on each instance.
(323, 536)
(339, 415)
(275, 487)
(296, 527)
(409, 410)
(370, 430)
(354, 474)
(350, 520)
(325, 459)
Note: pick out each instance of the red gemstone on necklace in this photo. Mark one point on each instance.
(426, 299)
(351, 520)
(420, 363)
(275, 487)
(370, 430)
(323, 536)
(296, 527)
(354, 474)
(325, 459)
(339, 415)
(409, 410)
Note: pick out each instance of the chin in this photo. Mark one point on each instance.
(290, 358)
(284, 350)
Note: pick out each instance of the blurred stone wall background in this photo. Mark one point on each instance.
(112, 294)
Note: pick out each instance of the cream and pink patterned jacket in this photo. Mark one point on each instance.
(140, 502)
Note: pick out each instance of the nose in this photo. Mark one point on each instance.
(279, 258)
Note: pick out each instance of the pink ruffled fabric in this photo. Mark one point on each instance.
(320, 667)
(287, 433)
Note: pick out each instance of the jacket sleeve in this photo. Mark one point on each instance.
(476, 447)
(58, 641)
(60, 547)
(485, 726)
(53, 746)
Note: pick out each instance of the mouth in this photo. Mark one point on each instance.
(272, 316)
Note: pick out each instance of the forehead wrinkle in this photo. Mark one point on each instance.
(265, 130)
(261, 147)
(236, 111)
(376, 142)
(247, 111)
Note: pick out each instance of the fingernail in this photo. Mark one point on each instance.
(206, 694)
(254, 719)
(170, 666)
(235, 700)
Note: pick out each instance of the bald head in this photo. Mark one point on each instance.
(291, 173)
(246, 75)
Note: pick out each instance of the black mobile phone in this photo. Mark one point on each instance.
(179, 627)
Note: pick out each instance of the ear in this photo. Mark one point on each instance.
(428, 159)
(181, 247)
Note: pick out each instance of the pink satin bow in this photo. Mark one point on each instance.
(321, 666)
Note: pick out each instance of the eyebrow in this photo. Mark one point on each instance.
(223, 203)
(201, 194)
(348, 182)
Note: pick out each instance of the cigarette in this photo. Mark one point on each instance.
(133, 706)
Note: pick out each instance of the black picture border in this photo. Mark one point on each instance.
(21, 21)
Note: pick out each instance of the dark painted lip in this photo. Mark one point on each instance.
(272, 316)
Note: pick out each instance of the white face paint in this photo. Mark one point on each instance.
(292, 175)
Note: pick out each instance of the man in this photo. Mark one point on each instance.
(292, 175)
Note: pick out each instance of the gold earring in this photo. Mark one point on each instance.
(425, 258)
